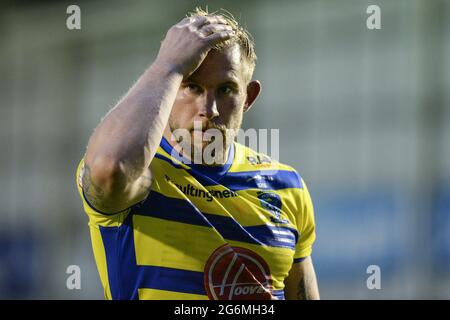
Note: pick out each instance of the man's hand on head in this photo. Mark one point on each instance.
(117, 162)
(188, 42)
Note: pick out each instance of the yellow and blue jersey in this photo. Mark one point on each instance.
(206, 232)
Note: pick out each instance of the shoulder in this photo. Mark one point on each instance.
(249, 160)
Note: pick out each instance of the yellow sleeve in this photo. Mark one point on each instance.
(96, 218)
(305, 225)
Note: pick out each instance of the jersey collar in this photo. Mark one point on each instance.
(214, 172)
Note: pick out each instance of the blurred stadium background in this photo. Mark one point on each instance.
(364, 117)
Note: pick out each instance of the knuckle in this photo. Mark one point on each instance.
(201, 37)
(207, 29)
(208, 20)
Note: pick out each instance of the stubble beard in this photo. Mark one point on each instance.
(197, 146)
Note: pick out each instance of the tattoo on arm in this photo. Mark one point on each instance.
(95, 195)
(305, 288)
(92, 192)
(301, 290)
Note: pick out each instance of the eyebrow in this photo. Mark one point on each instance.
(230, 81)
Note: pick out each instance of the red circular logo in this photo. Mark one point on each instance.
(235, 273)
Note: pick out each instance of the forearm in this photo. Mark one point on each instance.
(301, 283)
(130, 133)
(307, 288)
(116, 172)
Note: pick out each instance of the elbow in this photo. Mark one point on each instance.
(105, 173)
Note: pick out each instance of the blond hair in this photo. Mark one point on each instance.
(242, 37)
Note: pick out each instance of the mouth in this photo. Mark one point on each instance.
(208, 133)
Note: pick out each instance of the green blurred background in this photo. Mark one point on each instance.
(364, 115)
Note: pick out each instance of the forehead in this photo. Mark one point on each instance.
(220, 66)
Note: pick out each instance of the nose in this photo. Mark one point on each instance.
(209, 108)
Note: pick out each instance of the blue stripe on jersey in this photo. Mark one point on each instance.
(171, 279)
(111, 244)
(121, 260)
(172, 209)
(215, 172)
(178, 280)
(162, 207)
(258, 179)
(160, 156)
(267, 233)
(125, 277)
(279, 294)
(262, 179)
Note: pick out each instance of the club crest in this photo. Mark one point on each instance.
(272, 202)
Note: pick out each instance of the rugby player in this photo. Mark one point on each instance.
(166, 227)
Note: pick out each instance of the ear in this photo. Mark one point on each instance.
(253, 90)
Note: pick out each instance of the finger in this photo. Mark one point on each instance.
(218, 37)
(186, 20)
(199, 21)
(202, 20)
(208, 29)
(218, 19)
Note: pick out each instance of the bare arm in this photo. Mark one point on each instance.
(301, 283)
(116, 173)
